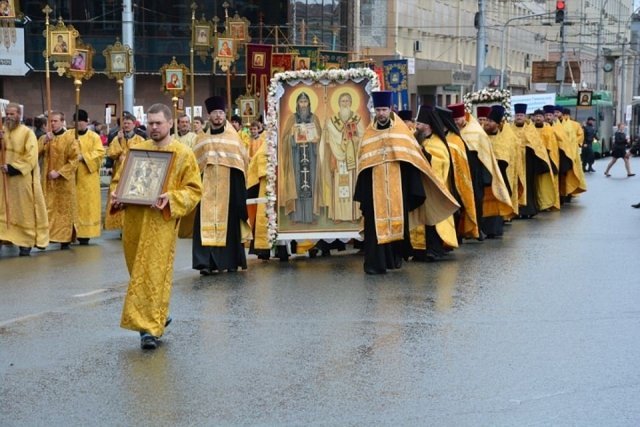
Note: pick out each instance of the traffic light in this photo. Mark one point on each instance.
(560, 9)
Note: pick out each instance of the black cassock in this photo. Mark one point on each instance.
(232, 256)
(535, 166)
(380, 257)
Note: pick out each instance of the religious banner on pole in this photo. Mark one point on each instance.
(258, 66)
(281, 62)
(310, 52)
(396, 75)
(331, 60)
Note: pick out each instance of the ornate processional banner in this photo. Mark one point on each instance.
(396, 75)
(315, 122)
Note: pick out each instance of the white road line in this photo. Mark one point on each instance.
(87, 294)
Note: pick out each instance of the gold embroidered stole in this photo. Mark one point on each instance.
(387, 202)
(379, 150)
(217, 155)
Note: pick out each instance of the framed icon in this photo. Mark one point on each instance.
(79, 60)
(237, 30)
(7, 9)
(111, 111)
(225, 48)
(61, 42)
(202, 36)
(144, 176)
(248, 108)
(302, 63)
(585, 98)
(119, 62)
(174, 79)
(259, 60)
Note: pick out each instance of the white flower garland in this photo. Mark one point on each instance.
(489, 96)
(276, 90)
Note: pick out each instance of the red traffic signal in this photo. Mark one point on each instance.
(560, 9)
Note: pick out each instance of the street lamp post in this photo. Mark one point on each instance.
(599, 44)
(502, 41)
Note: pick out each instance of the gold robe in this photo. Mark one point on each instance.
(216, 156)
(500, 201)
(61, 155)
(467, 226)
(88, 185)
(149, 242)
(548, 138)
(383, 150)
(117, 151)
(255, 144)
(188, 139)
(24, 222)
(506, 148)
(441, 166)
(545, 183)
(257, 175)
(575, 180)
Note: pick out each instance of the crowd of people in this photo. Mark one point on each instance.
(423, 186)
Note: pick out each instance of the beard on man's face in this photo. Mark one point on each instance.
(11, 122)
(345, 113)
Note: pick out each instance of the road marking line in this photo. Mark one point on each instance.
(87, 294)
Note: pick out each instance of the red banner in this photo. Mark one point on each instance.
(281, 62)
(258, 66)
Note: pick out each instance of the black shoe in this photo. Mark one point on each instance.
(168, 321)
(637, 206)
(631, 174)
(24, 251)
(148, 342)
(592, 170)
(64, 246)
(83, 241)
(206, 272)
(374, 271)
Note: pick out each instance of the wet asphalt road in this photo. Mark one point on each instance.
(540, 327)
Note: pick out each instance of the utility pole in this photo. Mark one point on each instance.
(599, 45)
(563, 60)
(480, 42)
(127, 40)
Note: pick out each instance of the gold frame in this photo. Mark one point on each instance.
(172, 68)
(86, 57)
(178, 72)
(70, 42)
(231, 44)
(12, 10)
(197, 42)
(144, 176)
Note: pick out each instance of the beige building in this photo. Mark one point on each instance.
(438, 38)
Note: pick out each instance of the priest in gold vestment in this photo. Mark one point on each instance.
(506, 149)
(396, 188)
(59, 152)
(23, 213)
(90, 159)
(466, 218)
(539, 188)
(149, 233)
(117, 151)
(220, 224)
(550, 143)
(493, 183)
(432, 242)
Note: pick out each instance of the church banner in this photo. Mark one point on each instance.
(281, 62)
(310, 52)
(258, 66)
(396, 75)
(332, 59)
(316, 120)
